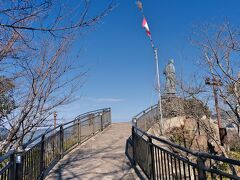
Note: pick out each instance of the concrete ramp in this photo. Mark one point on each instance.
(101, 157)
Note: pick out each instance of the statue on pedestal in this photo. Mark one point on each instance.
(170, 84)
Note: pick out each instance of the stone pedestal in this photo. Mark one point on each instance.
(173, 106)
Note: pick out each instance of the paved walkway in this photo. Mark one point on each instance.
(101, 157)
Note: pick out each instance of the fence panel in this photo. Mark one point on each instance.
(32, 162)
(168, 165)
(147, 118)
(86, 130)
(106, 118)
(97, 123)
(70, 135)
(41, 153)
(142, 154)
(129, 149)
(7, 166)
(162, 159)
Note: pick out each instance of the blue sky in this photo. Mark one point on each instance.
(120, 59)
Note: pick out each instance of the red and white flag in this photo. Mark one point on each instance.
(145, 25)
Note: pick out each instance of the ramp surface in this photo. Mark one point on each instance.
(101, 157)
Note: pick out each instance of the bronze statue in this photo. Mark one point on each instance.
(169, 72)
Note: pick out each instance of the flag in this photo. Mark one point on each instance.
(145, 25)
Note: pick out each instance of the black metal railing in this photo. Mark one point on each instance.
(42, 153)
(7, 165)
(161, 159)
(147, 118)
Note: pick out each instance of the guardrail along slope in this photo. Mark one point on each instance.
(44, 151)
(159, 158)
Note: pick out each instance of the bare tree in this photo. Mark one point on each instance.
(34, 46)
(22, 23)
(220, 47)
(196, 97)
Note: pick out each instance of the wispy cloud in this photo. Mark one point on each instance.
(104, 100)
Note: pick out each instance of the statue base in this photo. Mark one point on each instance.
(173, 106)
(169, 95)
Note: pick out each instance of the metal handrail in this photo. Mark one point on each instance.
(5, 156)
(158, 162)
(91, 112)
(194, 153)
(145, 111)
(36, 161)
(57, 127)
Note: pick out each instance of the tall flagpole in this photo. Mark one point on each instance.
(157, 71)
(158, 88)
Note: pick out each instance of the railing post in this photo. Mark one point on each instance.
(201, 166)
(12, 170)
(90, 117)
(101, 121)
(152, 158)
(78, 127)
(93, 123)
(133, 147)
(61, 141)
(134, 122)
(145, 122)
(19, 165)
(110, 116)
(42, 156)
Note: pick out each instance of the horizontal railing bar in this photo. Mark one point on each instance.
(34, 146)
(81, 117)
(57, 133)
(93, 112)
(38, 137)
(220, 173)
(52, 145)
(197, 154)
(181, 159)
(219, 158)
(145, 111)
(88, 119)
(76, 119)
(6, 167)
(70, 126)
(7, 155)
(143, 138)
